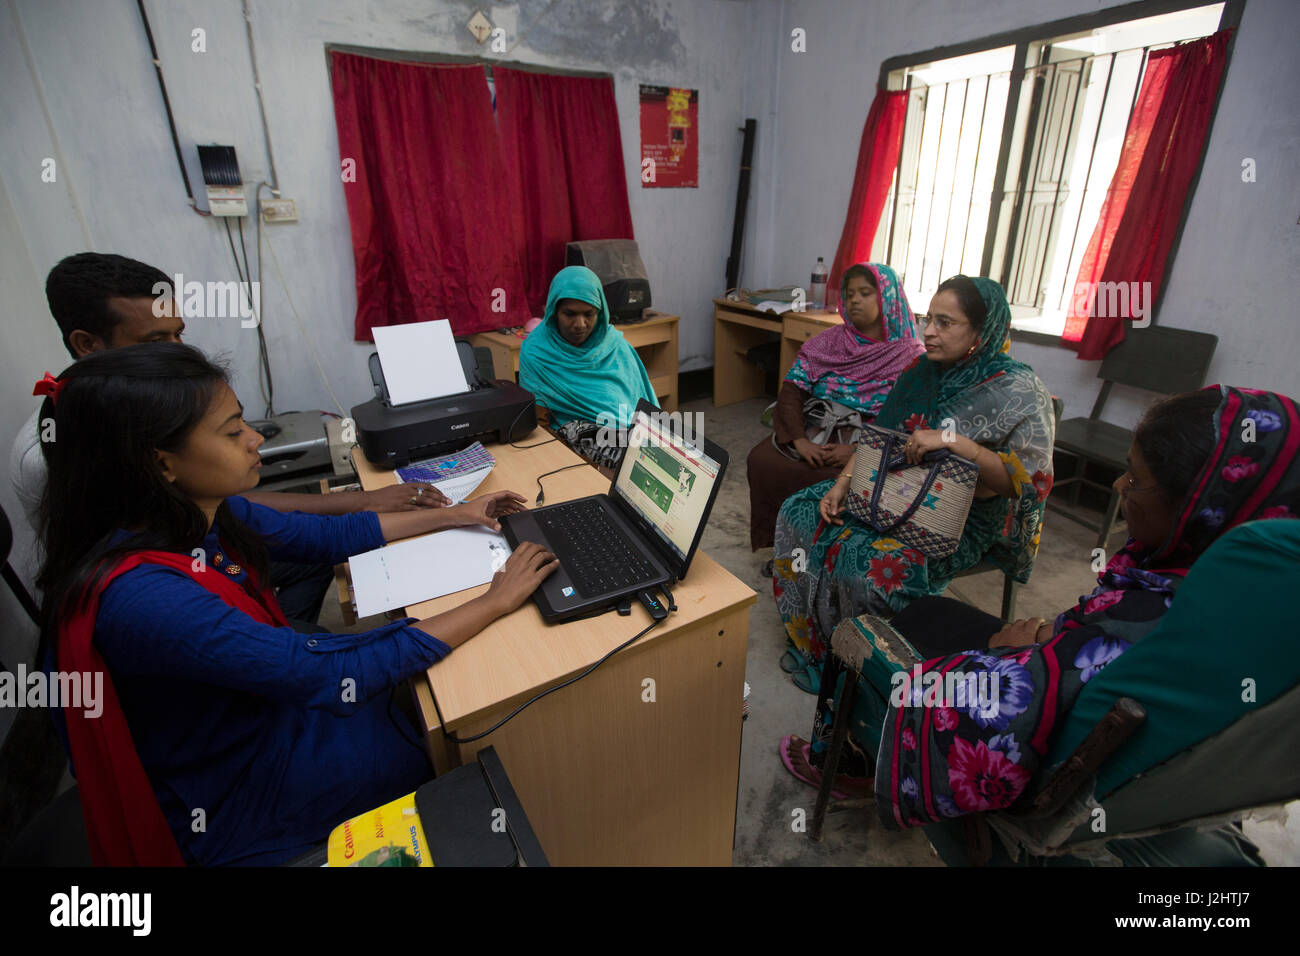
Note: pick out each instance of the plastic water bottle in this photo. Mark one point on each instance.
(818, 290)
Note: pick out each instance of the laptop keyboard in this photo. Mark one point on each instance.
(595, 551)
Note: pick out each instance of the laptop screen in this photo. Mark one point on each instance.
(667, 482)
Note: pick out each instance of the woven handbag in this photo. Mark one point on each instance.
(924, 506)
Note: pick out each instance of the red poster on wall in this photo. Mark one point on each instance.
(670, 142)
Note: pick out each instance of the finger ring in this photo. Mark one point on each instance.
(419, 492)
(414, 499)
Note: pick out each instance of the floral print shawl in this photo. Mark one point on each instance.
(953, 754)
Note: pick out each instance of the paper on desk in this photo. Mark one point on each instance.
(419, 361)
(771, 306)
(462, 486)
(455, 475)
(424, 568)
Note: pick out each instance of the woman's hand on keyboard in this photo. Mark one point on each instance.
(520, 577)
(486, 509)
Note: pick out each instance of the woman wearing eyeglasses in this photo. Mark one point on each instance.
(1200, 464)
(998, 414)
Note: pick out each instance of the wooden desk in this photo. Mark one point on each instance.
(606, 775)
(655, 340)
(738, 327)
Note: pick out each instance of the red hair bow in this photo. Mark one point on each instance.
(50, 386)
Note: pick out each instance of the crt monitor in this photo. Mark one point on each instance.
(618, 265)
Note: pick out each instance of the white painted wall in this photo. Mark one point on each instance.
(1240, 251)
(77, 85)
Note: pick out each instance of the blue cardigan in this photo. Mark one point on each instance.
(276, 736)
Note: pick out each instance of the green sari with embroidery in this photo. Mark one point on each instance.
(826, 573)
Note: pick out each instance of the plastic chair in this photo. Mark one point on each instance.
(1157, 359)
(10, 575)
(1182, 731)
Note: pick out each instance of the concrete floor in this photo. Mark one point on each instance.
(770, 798)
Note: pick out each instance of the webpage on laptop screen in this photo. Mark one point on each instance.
(667, 481)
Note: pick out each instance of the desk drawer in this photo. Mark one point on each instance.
(641, 336)
(801, 329)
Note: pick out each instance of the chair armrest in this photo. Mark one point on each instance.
(1119, 723)
(858, 639)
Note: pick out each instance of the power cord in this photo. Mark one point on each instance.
(511, 433)
(518, 710)
(541, 494)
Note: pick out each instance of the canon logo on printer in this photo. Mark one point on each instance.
(461, 425)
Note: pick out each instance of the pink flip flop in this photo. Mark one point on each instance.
(813, 776)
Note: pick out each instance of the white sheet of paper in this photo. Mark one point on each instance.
(769, 306)
(419, 361)
(462, 486)
(424, 568)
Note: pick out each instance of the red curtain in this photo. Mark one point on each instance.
(562, 148)
(428, 214)
(882, 138)
(1162, 149)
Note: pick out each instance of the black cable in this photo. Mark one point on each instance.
(511, 433)
(442, 724)
(230, 236)
(541, 493)
(263, 355)
(167, 105)
(672, 602)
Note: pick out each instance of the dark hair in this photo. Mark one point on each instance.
(858, 271)
(114, 411)
(1175, 437)
(968, 297)
(79, 287)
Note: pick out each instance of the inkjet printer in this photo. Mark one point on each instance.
(492, 410)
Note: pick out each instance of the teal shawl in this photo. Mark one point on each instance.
(597, 381)
(999, 403)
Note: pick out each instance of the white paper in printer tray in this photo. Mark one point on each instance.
(424, 568)
(419, 361)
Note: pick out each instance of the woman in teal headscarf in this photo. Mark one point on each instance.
(581, 369)
(1002, 416)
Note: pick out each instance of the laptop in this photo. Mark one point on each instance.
(640, 535)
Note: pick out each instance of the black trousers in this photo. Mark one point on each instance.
(300, 589)
(937, 626)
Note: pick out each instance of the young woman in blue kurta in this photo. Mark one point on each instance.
(256, 739)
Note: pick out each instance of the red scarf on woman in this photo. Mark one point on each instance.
(125, 825)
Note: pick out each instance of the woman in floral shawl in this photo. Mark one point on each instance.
(829, 566)
(1201, 463)
(839, 381)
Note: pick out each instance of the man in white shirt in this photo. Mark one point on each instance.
(103, 301)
